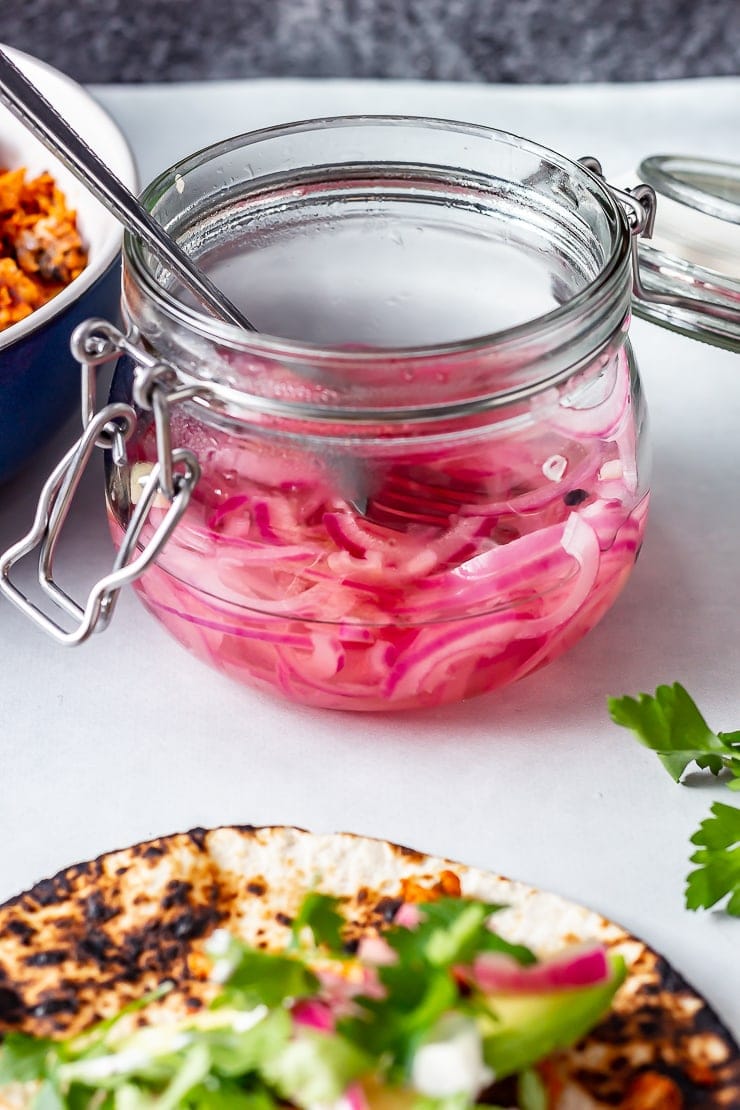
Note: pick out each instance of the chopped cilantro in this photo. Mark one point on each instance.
(531, 1091)
(392, 1027)
(23, 1058)
(319, 913)
(267, 978)
(421, 985)
(452, 931)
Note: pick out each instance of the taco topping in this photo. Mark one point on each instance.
(40, 247)
(429, 1013)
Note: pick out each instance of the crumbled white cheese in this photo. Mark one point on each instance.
(451, 1061)
(222, 970)
(218, 942)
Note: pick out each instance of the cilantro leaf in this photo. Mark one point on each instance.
(719, 858)
(24, 1058)
(531, 1093)
(267, 978)
(453, 931)
(421, 985)
(221, 1094)
(319, 913)
(671, 725)
(392, 1027)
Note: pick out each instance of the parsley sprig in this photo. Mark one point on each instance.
(718, 875)
(670, 724)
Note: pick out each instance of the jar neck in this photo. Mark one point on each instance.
(404, 386)
(543, 208)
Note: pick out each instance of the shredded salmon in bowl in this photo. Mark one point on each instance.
(41, 250)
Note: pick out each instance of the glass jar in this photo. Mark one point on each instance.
(390, 514)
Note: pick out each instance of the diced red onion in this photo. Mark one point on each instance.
(314, 1014)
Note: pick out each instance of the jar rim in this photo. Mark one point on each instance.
(608, 285)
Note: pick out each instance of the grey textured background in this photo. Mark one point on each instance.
(468, 40)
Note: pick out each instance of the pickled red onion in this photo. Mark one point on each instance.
(471, 565)
(314, 1014)
(496, 973)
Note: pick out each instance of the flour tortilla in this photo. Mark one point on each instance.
(79, 946)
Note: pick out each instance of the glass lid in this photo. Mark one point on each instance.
(690, 267)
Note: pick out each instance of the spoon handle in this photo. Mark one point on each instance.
(36, 113)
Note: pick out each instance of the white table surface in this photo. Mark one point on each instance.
(129, 737)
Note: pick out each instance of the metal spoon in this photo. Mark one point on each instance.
(36, 113)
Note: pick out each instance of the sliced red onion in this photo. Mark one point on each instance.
(495, 973)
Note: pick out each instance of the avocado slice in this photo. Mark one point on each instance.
(528, 1027)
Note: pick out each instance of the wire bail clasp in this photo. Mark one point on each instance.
(639, 203)
(171, 480)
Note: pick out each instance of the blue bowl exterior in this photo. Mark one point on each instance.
(39, 378)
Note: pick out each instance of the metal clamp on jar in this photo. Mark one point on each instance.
(360, 506)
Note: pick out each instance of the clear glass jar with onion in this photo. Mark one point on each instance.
(425, 475)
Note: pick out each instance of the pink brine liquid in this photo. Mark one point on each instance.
(410, 577)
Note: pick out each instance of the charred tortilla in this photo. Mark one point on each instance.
(77, 947)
